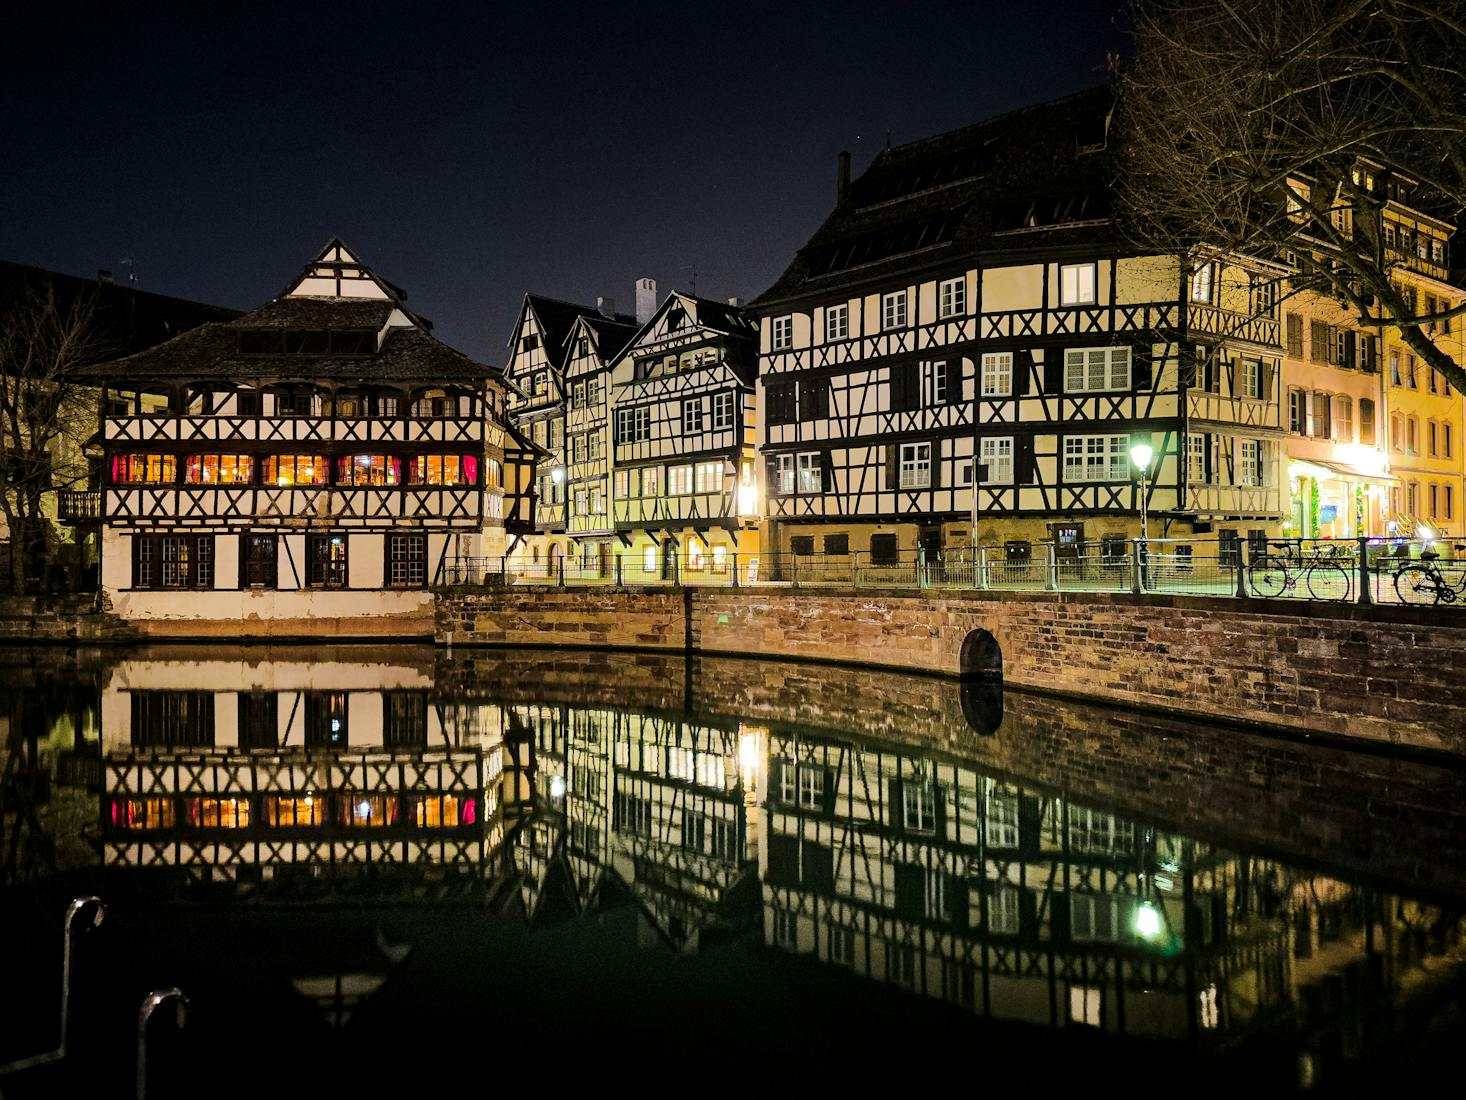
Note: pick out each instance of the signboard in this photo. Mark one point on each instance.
(752, 571)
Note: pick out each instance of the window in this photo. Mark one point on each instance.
(1085, 1002)
(1203, 283)
(905, 386)
(443, 470)
(952, 298)
(811, 787)
(997, 460)
(298, 403)
(679, 481)
(893, 310)
(1003, 911)
(783, 474)
(837, 322)
(958, 983)
(1366, 421)
(529, 343)
(1077, 284)
(811, 473)
(709, 477)
(326, 561)
(435, 404)
(1410, 379)
(1344, 419)
(219, 470)
(1093, 917)
(287, 470)
(1448, 510)
(801, 544)
(1197, 448)
(1297, 412)
(916, 465)
(722, 412)
(173, 561)
(837, 546)
(1395, 379)
(1264, 296)
(325, 720)
(1322, 415)
(783, 333)
(1096, 458)
(172, 719)
(633, 425)
(997, 374)
(786, 929)
(938, 383)
(780, 401)
(1251, 382)
(1433, 494)
(369, 470)
(258, 554)
(1250, 459)
(405, 718)
(1430, 380)
(1412, 436)
(883, 550)
(1002, 819)
(144, 469)
(691, 415)
(1447, 451)
(842, 944)
(407, 561)
(919, 807)
(1295, 335)
(1088, 370)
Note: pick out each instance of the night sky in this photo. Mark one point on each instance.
(471, 152)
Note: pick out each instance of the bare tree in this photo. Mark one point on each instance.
(46, 414)
(1272, 128)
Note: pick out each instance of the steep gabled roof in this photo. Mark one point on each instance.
(402, 348)
(556, 318)
(1036, 178)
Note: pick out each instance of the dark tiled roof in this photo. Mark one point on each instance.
(1031, 180)
(212, 352)
(130, 320)
(611, 336)
(556, 320)
(319, 313)
(734, 320)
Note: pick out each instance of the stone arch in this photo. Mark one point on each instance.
(982, 705)
(981, 655)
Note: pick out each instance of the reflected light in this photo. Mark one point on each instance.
(750, 756)
(747, 500)
(1425, 533)
(557, 787)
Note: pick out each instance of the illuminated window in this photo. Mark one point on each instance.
(1088, 370)
(144, 469)
(287, 470)
(692, 415)
(1203, 283)
(326, 561)
(439, 811)
(649, 560)
(219, 813)
(367, 811)
(143, 813)
(285, 812)
(695, 555)
(679, 481)
(443, 470)
(1085, 1003)
(710, 477)
(326, 719)
(369, 470)
(219, 470)
(435, 404)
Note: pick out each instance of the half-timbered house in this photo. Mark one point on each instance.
(966, 351)
(684, 484)
(317, 458)
(592, 347)
(539, 401)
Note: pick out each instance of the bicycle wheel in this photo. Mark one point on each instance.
(1268, 577)
(1328, 581)
(1416, 584)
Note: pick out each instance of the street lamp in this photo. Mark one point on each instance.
(1141, 454)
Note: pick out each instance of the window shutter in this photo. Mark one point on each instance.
(1318, 344)
(827, 475)
(771, 473)
(954, 380)
(936, 481)
(1053, 372)
(1023, 460)
(1295, 335)
(1140, 367)
(1022, 369)
(1265, 383)
(893, 465)
(1351, 350)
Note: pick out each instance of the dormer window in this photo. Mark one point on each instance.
(676, 319)
(529, 343)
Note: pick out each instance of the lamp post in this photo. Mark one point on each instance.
(1141, 454)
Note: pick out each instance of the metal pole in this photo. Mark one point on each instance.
(144, 1013)
(1241, 590)
(1051, 577)
(619, 582)
(982, 567)
(1135, 565)
(734, 556)
(1366, 592)
(76, 906)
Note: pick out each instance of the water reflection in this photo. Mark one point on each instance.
(1013, 858)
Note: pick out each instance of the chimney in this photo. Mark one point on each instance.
(842, 179)
(103, 275)
(646, 300)
(606, 307)
(735, 301)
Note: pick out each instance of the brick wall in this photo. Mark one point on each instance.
(1384, 674)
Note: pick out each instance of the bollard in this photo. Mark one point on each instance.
(619, 582)
(982, 567)
(560, 563)
(921, 567)
(1241, 589)
(144, 1014)
(1366, 590)
(735, 568)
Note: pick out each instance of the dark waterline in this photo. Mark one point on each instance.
(494, 867)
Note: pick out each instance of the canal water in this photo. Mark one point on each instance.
(491, 869)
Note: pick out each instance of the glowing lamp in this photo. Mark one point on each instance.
(1147, 921)
(1425, 533)
(1141, 454)
(557, 475)
(557, 787)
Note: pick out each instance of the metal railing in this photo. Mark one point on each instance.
(1326, 570)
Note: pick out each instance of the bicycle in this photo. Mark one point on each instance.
(1422, 582)
(1321, 574)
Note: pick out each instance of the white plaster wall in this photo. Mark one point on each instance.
(116, 560)
(260, 605)
(366, 560)
(226, 561)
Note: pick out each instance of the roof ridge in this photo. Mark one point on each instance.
(999, 117)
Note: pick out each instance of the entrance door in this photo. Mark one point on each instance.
(1068, 541)
(669, 559)
(930, 540)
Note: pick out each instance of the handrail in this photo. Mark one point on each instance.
(76, 906)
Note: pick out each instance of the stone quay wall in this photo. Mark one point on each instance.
(1386, 674)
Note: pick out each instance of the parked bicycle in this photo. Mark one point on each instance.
(1284, 567)
(1423, 582)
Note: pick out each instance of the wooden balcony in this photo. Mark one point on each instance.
(78, 505)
